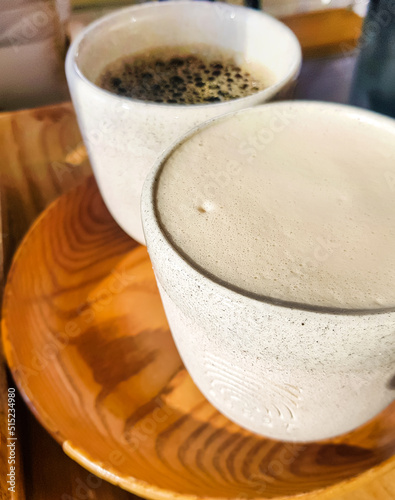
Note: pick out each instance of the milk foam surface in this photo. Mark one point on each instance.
(296, 209)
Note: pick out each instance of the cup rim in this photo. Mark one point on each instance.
(265, 94)
(151, 185)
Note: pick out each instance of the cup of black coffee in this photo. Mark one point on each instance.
(198, 74)
(142, 77)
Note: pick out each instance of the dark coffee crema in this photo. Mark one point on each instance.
(183, 75)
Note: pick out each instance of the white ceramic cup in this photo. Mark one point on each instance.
(288, 371)
(124, 137)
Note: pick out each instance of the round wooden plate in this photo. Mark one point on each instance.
(88, 344)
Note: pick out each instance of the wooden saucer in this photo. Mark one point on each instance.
(88, 344)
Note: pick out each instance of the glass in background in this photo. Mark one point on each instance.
(329, 32)
(32, 50)
(281, 8)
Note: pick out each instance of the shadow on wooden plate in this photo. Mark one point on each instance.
(88, 344)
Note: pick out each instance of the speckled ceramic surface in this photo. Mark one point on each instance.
(125, 137)
(290, 372)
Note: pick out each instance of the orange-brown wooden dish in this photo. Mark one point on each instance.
(88, 344)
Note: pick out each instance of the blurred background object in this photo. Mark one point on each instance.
(274, 7)
(34, 35)
(373, 84)
(33, 44)
(280, 8)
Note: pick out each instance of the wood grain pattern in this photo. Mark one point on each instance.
(98, 365)
(41, 156)
(49, 473)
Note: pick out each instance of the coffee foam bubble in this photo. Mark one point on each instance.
(183, 75)
(307, 216)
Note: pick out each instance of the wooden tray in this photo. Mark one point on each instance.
(88, 344)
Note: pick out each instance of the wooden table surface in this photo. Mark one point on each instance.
(41, 157)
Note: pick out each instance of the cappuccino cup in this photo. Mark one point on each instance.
(272, 236)
(125, 136)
